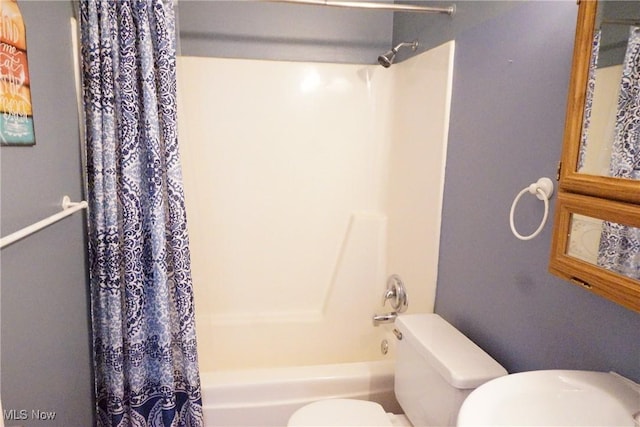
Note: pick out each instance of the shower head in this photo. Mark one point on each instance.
(386, 59)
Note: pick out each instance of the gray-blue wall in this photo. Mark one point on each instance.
(510, 85)
(285, 32)
(45, 328)
(249, 29)
(432, 30)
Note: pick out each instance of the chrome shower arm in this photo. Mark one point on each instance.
(413, 45)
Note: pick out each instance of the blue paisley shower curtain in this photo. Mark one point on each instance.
(144, 339)
(619, 249)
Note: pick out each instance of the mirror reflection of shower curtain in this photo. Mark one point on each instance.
(619, 248)
(588, 102)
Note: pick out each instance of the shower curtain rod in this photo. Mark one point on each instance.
(394, 7)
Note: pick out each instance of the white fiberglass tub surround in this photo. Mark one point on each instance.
(306, 185)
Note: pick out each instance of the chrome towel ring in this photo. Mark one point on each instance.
(543, 189)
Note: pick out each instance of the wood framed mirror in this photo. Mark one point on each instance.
(596, 236)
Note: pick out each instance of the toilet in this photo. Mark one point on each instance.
(437, 367)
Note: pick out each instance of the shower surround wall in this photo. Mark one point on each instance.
(307, 184)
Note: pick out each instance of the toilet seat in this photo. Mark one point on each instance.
(340, 412)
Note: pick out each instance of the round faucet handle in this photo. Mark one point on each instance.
(396, 293)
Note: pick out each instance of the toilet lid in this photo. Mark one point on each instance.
(340, 412)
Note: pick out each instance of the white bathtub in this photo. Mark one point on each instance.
(267, 397)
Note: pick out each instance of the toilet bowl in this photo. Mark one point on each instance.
(437, 367)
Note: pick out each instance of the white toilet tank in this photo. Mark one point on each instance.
(436, 369)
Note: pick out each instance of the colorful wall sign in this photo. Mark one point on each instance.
(16, 115)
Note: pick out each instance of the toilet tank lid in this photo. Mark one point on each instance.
(459, 360)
